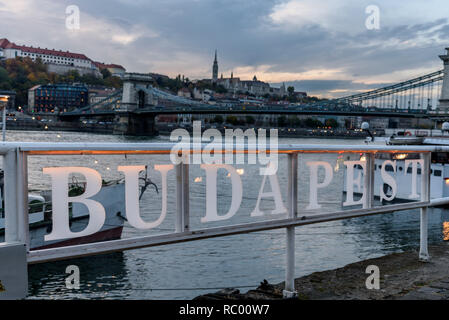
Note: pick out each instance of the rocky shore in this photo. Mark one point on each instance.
(402, 276)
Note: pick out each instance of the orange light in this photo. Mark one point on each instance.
(445, 230)
(240, 171)
(401, 156)
(447, 181)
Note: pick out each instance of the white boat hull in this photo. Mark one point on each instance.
(111, 197)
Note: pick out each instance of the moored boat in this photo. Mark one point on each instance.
(112, 197)
(439, 169)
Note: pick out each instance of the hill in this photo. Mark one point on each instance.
(20, 74)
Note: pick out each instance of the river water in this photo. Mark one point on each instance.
(184, 271)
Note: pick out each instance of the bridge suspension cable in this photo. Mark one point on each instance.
(107, 104)
(171, 97)
(416, 93)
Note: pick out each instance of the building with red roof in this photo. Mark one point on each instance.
(59, 61)
(115, 69)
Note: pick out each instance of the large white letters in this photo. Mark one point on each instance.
(386, 178)
(132, 195)
(314, 185)
(275, 193)
(211, 192)
(350, 182)
(61, 199)
(414, 163)
(321, 175)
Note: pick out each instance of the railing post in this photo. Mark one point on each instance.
(186, 197)
(425, 196)
(182, 196)
(289, 291)
(368, 182)
(22, 198)
(10, 196)
(16, 198)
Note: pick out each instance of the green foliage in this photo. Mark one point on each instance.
(313, 123)
(232, 120)
(282, 121)
(250, 120)
(106, 73)
(331, 123)
(172, 84)
(295, 122)
(218, 119)
(21, 74)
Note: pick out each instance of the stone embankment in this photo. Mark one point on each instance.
(402, 276)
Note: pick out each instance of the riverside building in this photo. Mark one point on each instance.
(52, 98)
(57, 61)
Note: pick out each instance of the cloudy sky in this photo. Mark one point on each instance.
(322, 47)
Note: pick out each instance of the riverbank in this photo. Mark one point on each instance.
(108, 128)
(59, 126)
(285, 132)
(402, 276)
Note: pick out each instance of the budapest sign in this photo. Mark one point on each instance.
(191, 150)
(61, 200)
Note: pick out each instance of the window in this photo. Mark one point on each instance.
(409, 170)
(437, 173)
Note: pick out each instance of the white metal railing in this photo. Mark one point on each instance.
(16, 193)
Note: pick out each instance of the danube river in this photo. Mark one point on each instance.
(184, 271)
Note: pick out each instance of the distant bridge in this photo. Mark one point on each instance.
(139, 102)
(257, 110)
(421, 93)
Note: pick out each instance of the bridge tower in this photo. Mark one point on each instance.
(136, 92)
(137, 95)
(444, 99)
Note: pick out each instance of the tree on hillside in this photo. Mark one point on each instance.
(21, 74)
(282, 121)
(218, 119)
(331, 123)
(106, 73)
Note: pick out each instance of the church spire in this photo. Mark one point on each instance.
(215, 69)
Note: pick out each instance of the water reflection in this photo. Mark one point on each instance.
(445, 230)
(103, 276)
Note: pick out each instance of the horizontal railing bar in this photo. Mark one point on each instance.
(73, 146)
(161, 152)
(438, 202)
(43, 148)
(62, 253)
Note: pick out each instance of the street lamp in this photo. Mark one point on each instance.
(4, 105)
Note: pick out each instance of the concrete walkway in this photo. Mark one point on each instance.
(402, 276)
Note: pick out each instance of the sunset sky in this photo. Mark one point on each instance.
(322, 47)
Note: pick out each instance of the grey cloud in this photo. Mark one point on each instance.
(316, 87)
(244, 36)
